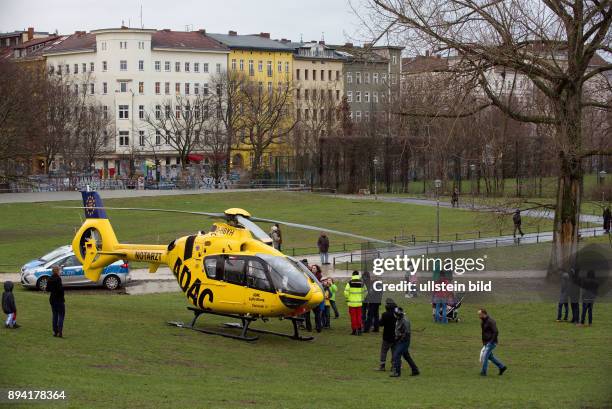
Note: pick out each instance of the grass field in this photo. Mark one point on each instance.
(28, 230)
(118, 352)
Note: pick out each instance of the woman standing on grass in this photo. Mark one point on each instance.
(56, 299)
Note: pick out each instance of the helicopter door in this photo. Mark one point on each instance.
(234, 272)
(261, 296)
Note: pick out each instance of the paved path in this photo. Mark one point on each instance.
(110, 194)
(543, 214)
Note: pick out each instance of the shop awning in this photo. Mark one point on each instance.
(195, 157)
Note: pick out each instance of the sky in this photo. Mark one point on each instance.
(332, 20)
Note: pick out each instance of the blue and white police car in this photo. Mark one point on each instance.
(35, 273)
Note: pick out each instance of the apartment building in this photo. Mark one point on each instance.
(134, 71)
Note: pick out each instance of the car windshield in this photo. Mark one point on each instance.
(54, 254)
(286, 275)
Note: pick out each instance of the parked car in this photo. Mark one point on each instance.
(36, 273)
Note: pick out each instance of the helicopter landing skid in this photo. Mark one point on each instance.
(244, 326)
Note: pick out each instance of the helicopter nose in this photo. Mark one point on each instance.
(316, 296)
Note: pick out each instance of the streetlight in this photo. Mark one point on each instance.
(472, 170)
(438, 184)
(375, 162)
(602, 177)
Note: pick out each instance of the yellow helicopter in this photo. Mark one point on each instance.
(231, 271)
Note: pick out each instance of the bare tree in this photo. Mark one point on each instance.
(549, 42)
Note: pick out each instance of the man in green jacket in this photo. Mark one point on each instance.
(355, 292)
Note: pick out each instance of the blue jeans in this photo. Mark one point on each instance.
(399, 350)
(59, 311)
(489, 356)
(324, 257)
(441, 310)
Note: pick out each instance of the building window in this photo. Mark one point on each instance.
(157, 88)
(104, 88)
(186, 88)
(375, 78)
(375, 97)
(67, 69)
(322, 78)
(167, 110)
(287, 67)
(358, 77)
(157, 65)
(383, 78)
(269, 68)
(358, 116)
(218, 68)
(167, 88)
(103, 45)
(123, 86)
(358, 96)
(157, 111)
(298, 93)
(141, 112)
(366, 77)
(260, 66)
(366, 116)
(306, 75)
(140, 65)
(91, 67)
(349, 77)
(141, 138)
(104, 66)
(124, 138)
(105, 112)
(157, 138)
(92, 88)
(124, 112)
(177, 112)
(251, 69)
(349, 96)
(337, 75)
(177, 66)
(76, 89)
(306, 93)
(337, 95)
(76, 68)
(205, 67)
(167, 137)
(187, 67)
(196, 88)
(141, 45)
(196, 67)
(141, 87)
(205, 88)
(280, 66)
(123, 65)
(167, 66)
(241, 65)
(177, 88)
(84, 67)
(123, 45)
(366, 96)
(314, 75)
(394, 59)
(297, 74)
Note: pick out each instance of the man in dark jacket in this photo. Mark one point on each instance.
(589, 292)
(573, 292)
(372, 303)
(607, 220)
(489, 340)
(387, 321)
(516, 219)
(402, 345)
(323, 245)
(56, 299)
(8, 305)
(564, 292)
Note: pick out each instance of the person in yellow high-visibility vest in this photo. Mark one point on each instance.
(355, 292)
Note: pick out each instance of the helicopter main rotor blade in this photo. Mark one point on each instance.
(315, 228)
(208, 214)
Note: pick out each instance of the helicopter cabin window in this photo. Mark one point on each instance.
(214, 267)
(256, 276)
(233, 270)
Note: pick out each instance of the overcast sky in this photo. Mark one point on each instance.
(282, 18)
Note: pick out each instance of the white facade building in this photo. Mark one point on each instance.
(131, 72)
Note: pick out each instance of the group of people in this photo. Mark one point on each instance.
(322, 312)
(572, 285)
(55, 289)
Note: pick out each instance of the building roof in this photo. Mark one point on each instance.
(423, 63)
(315, 50)
(186, 40)
(251, 42)
(79, 41)
(21, 32)
(36, 41)
(359, 54)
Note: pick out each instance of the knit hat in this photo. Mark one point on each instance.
(355, 273)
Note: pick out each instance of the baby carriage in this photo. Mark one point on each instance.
(452, 308)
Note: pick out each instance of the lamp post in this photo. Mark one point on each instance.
(472, 170)
(438, 184)
(375, 162)
(602, 177)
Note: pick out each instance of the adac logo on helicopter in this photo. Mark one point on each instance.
(192, 290)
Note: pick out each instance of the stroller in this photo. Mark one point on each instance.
(452, 308)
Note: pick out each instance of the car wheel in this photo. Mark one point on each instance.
(41, 284)
(111, 282)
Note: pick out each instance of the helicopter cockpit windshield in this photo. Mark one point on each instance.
(257, 232)
(286, 275)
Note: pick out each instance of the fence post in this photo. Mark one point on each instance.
(451, 247)
(538, 238)
(495, 242)
(351, 256)
(293, 251)
(474, 244)
(344, 246)
(334, 262)
(478, 233)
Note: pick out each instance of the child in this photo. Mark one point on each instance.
(332, 299)
(327, 311)
(8, 305)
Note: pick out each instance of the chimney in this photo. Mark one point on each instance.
(30, 33)
(232, 33)
(79, 33)
(348, 45)
(322, 42)
(264, 35)
(167, 30)
(202, 31)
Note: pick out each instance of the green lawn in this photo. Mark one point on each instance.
(28, 230)
(119, 353)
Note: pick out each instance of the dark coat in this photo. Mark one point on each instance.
(8, 299)
(387, 321)
(517, 219)
(323, 244)
(55, 289)
(489, 330)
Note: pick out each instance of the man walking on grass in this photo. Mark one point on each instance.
(489, 340)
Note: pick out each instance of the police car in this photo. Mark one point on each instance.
(35, 273)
